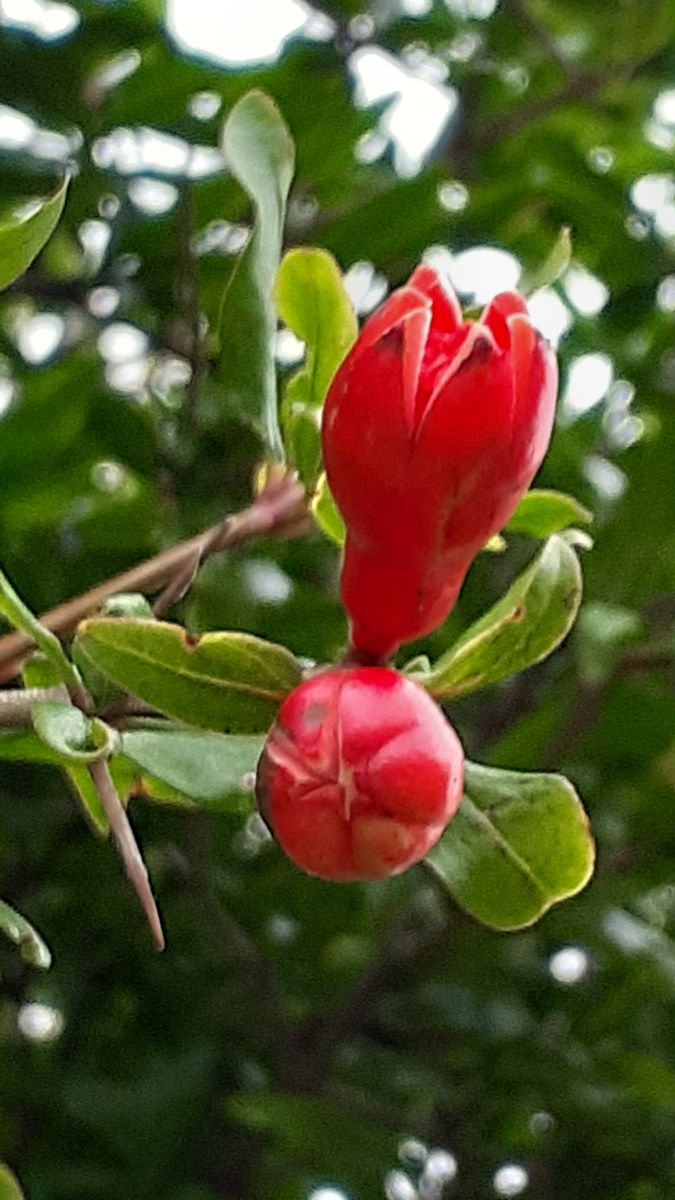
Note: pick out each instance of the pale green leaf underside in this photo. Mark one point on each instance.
(203, 766)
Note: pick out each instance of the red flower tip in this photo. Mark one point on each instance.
(360, 774)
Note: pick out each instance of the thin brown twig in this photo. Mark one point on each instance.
(279, 510)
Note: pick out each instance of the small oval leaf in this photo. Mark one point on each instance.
(66, 730)
(23, 236)
(542, 512)
(20, 931)
(313, 301)
(206, 767)
(523, 628)
(519, 843)
(227, 682)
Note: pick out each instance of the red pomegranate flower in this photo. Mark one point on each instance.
(432, 432)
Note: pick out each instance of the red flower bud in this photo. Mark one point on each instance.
(360, 774)
(433, 430)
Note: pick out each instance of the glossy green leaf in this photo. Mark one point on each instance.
(69, 733)
(260, 154)
(23, 236)
(327, 515)
(19, 615)
(523, 628)
(542, 512)
(228, 682)
(553, 266)
(31, 946)
(206, 767)
(9, 1185)
(519, 843)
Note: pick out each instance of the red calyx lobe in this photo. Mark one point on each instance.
(360, 774)
(433, 430)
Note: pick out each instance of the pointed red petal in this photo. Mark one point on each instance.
(415, 333)
(499, 310)
(400, 305)
(446, 307)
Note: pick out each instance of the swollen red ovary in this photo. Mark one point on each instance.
(357, 801)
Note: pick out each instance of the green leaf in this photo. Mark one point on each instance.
(9, 1185)
(541, 513)
(103, 692)
(21, 932)
(519, 843)
(66, 730)
(228, 682)
(313, 301)
(553, 266)
(260, 153)
(19, 615)
(327, 515)
(523, 628)
(24, 235)
(203, 766)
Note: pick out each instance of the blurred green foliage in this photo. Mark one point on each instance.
(295, 1032)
